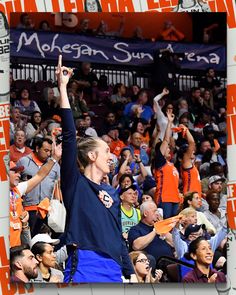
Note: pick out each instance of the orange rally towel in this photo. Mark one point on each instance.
(180, 129)
(43, 207)
(216, 145)
(166, 225)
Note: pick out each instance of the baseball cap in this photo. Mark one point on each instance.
(44, 238)
(215, 178)
(13, 167)
(133, 187)
(148, 183)
(193, 228)
(91, 132)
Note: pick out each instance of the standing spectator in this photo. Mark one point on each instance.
(32, 163)
(96, 239)
(136, 149)
(23, 264)
(84, 28)
(170, 33)
(19, 149)
(166, 175)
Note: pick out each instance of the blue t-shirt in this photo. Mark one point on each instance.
(156, 248)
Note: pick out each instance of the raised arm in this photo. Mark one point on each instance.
(69, 169)
(187, 158)
(165, 144)
(45, 169)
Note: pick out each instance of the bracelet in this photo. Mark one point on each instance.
(25, 226)
(54, 160)
(138, 162)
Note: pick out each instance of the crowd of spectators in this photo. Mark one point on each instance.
(168, 157)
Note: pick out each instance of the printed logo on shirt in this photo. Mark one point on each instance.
(105, 198)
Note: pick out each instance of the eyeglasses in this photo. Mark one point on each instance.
(143, 260)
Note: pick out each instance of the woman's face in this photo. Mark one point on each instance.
(37, 118)
(196, 201)
(48, 258)
(140, 128)
(204, 254)
(142, 265)
(207, 95)
(24, 94)
(103, 157)
(50, 93)
(126, 182)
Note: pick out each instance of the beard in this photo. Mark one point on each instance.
(30, 273)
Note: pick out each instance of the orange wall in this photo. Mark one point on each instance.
(150, 22)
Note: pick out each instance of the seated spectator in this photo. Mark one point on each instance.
(44, 253)
(119, 91)
(214, 214)
(189, 216)
(142, 268)
(84, 28)
(23, 264)
(78, 104)
(130, 216)
(103, 91)
(49, 105)
(192, 232)
(36, 127)
(138, 34)
(86, 79)
(193, 200)
(25, 104)
(44, 26)
(141, 101)
(210, 81)
(215, 183)
(208, 99)
(135, 90)
(215, 168)
(143, 236)
(26, 22)
(15, 122)
(18, 149)
(102, 29)
(170, 33)
(202, 253)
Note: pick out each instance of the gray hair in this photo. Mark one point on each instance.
(145, 206)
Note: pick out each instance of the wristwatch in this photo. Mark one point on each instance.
(54, 160)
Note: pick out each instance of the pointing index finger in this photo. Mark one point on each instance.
(59, 61)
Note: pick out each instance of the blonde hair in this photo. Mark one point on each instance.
(187, 211)
(86, 145)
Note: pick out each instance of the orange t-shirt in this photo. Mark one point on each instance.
(167, 179)
(16, 210)
(116, 147)
(191, 180)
